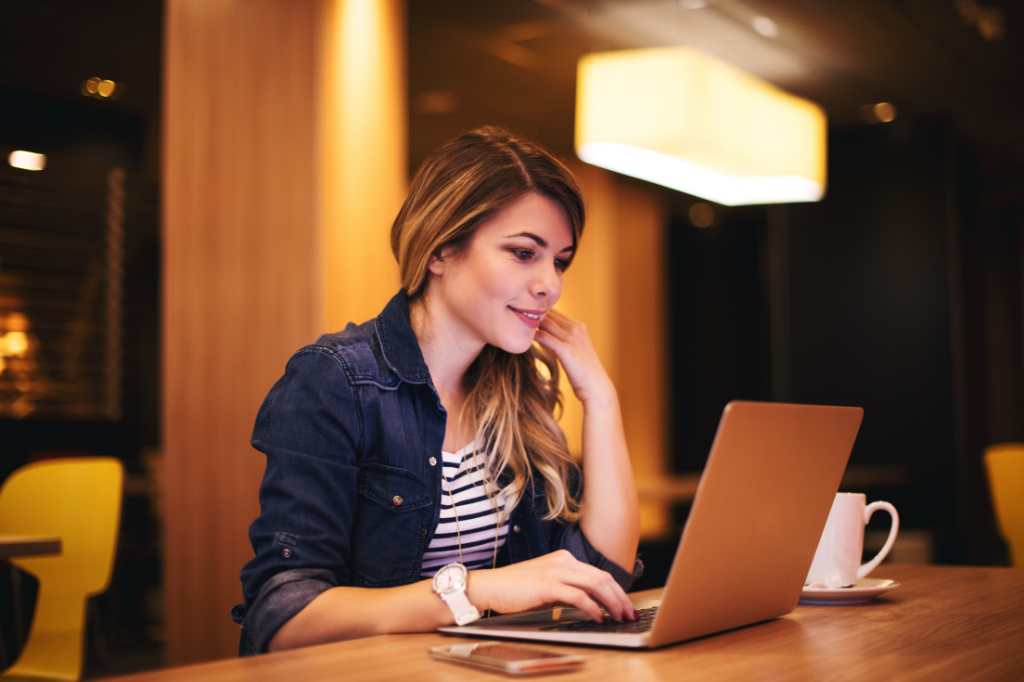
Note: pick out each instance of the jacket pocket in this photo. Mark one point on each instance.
(388, 530)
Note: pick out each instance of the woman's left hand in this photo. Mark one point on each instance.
(571, 344)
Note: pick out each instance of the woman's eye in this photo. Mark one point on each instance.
(522, 254)
(561, 264)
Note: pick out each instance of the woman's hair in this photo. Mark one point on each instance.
(511, 404)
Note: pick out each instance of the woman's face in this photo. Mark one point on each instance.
(498, 289)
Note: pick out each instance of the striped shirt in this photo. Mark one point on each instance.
(476, 503)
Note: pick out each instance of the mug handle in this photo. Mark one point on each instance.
(868, 511)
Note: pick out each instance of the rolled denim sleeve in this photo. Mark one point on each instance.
(309, 430)
(276, 603)
(570, 537)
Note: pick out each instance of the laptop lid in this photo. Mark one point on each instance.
(758, 514)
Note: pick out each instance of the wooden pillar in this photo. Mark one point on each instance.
(363, 134)
(643, 355)
(589, 291)
(616, 287)
(268, 198)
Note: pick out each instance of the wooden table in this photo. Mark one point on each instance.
(28, 545)
(942, 623)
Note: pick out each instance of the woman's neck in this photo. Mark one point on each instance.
(447, 352)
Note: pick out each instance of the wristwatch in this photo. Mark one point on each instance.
(450, 585)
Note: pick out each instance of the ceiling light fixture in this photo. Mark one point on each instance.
(27, 160)
(883, 112)
(680, 118)
(102, 89)
(766, 27)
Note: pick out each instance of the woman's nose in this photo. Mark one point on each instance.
(547, 283)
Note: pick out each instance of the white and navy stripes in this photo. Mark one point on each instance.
(476, 503)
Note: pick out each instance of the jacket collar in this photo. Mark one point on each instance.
(398, 342)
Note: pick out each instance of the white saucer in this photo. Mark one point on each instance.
(864, 590)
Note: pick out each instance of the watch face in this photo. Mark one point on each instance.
(449, 578)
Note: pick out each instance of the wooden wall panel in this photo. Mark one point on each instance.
(589, 291)
(616, 287)
(643, 356)
(238, 241)
(284, 164)
(363, 155)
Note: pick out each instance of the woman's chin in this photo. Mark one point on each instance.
(516, 346)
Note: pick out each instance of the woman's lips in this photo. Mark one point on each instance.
(531, 318)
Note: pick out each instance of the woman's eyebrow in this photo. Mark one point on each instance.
(540, 241)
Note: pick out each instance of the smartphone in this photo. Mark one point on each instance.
(514, 659)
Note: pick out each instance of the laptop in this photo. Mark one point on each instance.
(754, 526)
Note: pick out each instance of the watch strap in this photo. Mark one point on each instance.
(459, 603)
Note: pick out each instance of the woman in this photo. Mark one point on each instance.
(425, 439)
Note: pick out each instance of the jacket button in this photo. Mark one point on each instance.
(433, 461)
(286, 553)
(397, 500)
(516, 529)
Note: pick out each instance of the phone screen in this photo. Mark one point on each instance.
(512, 658)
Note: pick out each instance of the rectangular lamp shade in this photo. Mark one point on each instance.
(679, 118)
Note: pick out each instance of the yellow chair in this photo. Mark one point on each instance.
(78, 500)
(1005, 464)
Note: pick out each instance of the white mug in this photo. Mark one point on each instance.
(837, 560)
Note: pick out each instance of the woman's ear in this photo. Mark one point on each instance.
(436, 263)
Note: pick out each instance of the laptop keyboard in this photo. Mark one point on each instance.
(642, 624)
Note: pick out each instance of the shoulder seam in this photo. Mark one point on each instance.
(272, 396)
(356, 378)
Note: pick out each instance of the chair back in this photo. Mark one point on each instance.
(1005, 464)
(78, 500)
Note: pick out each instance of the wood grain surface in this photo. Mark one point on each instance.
(942, 623)
(284, 164)
(616, 288)
(238, 263)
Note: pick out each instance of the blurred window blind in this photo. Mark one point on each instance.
(61, 291)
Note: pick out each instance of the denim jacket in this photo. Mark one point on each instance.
(352, 488)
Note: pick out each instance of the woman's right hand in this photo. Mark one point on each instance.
(556, 578)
